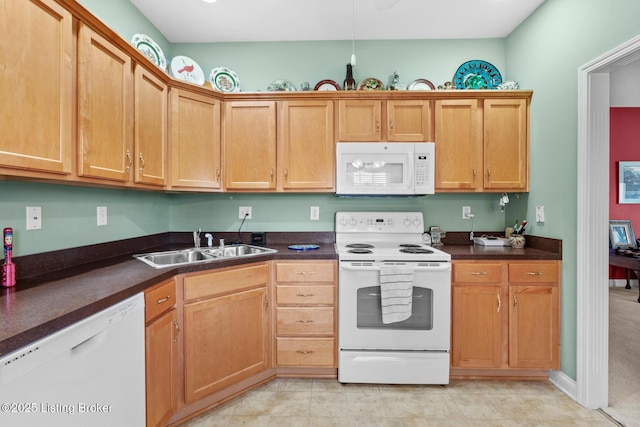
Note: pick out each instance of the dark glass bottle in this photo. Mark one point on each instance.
(349, 82)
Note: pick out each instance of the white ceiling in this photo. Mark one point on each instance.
(193, 21)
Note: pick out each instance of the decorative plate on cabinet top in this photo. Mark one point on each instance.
(186, 69)
(281, 86)
(150, 49)
(421, 84)
(224, 80)
(477, 74)
(371, 84)
(327, 85)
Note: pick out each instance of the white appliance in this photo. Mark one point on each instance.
(411, 351)
(385, 168)
(89, 374)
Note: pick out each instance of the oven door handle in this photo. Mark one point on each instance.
(435, 266)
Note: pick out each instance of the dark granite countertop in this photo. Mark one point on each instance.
(56, 289)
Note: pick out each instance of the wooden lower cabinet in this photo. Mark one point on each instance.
(306, 315)
(505, 318)
(226, 328)
(161, 350)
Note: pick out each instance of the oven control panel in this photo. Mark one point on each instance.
(379, 222)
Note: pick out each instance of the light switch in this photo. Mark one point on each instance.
(101, 213)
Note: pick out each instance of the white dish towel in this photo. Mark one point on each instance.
(396, 292)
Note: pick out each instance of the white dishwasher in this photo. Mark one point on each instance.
(91, 373)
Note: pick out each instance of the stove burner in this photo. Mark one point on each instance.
(360, 251)
(416, 250)
(409, 245)
(360, 246)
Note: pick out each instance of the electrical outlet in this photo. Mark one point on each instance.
(34, 218)
(244, 211)
(466, 212)
(101, 213)
(314, 213)
(539, 213)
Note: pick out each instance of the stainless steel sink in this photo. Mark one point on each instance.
(199, 255)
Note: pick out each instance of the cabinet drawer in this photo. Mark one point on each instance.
(305, 295)
(304, 321)
(226, 280)
(305, 272)
(477, 273)
(533, 272)
(159, 299)
(306, 352)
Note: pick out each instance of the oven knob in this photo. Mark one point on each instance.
(343, 221)
(417, 222)
(407, 222)
(353, 222)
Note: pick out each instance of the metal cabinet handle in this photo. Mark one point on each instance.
(266, 303)
(475, 172)
(478, 273)
(534, 273)
(489, 172)
(163, 300)
(499, 303)
(304, 321)
(304, 352)
(305, 295)
(130, 161)
(515, 303)
(141, 162)
(217, 174)
(286, 175)
(304, 273)
(377, 125)
(271, 174)
(175, 324)
(391, 125)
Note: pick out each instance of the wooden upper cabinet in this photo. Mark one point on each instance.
(194, 141)
(409, 120)
(506, 144)
(250, 145)
(150, 128)
(306, 149)
(458, 138)
(359, 120)
(105, 133)
(36, 86)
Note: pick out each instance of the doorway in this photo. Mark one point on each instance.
(592, 387)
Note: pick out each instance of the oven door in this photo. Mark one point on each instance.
(360, 308)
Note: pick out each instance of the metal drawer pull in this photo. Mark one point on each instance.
(478, 273)
(163, 300)
(305, 295)
(304, 352)
(304, 321)
(499, 303)
(534, 273)
(304, 273)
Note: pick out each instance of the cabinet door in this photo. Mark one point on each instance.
(506, 144)
(226, 341)
(104, 108)
(476, 320)
(150, 128)
(458, 138)
(307, 148)
(36, 86)
(250, 145)
(161, 349)
(409, 121)
(534, 331)
(359, 120)
(194, 140)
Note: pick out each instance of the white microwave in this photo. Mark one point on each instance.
(385, 168)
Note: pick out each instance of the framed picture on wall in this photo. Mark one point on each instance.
(621, 234)
(629, 182)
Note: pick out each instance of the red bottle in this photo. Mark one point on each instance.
(9, 268)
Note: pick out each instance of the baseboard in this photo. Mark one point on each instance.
(565, 383)
(621, 283)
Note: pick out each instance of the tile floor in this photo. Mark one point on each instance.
(312, 402)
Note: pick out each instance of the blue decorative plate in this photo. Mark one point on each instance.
(303, 247)
(477, 74)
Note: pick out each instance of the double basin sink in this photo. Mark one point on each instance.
(198, 255)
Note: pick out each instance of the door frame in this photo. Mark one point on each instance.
(592, 334)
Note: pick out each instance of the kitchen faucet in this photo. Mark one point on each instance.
(196, 238)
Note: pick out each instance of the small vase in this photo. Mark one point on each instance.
(349, 82)
(517, 241)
